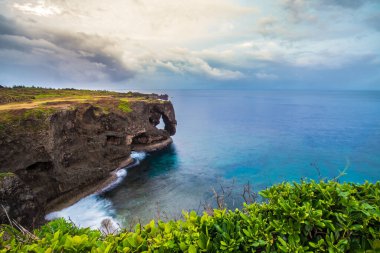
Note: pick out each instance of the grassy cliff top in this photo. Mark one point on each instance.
(28, 95)
(32, 94)
(20, 103)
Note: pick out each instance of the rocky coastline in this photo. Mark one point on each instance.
(74, 152)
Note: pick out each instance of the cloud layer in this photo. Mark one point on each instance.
(92, 41)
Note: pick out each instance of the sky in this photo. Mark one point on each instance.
(191, 44)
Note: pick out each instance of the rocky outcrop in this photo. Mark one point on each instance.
(17, 202)
(81, 146)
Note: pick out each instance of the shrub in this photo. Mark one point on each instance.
(124, 105)
(298, 217)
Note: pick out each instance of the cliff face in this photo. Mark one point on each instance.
(18, 202)
(80, 147)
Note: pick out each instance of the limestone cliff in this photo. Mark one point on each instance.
(79, 147)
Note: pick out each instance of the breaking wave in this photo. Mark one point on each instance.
(93, 209)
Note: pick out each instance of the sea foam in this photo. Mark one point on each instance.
(93, 209)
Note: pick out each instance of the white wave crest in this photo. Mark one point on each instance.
(138, 155)
(120, 175)
(88, 212)
(93, 209)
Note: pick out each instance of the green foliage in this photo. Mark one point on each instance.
(124, 105)
(38, 113)
(6, 174)
(26, 119)
(26, 114)
(25, 94)
(298, 217)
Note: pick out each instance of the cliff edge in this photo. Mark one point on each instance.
(57, 146)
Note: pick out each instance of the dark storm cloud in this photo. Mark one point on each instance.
(55, 48)
(11, 42)
(5, 28)
(8, 27)
(95, 49)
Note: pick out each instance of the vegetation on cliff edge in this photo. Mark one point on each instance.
(30, 94)
(298, 217)
(5, 174)
(27, 108)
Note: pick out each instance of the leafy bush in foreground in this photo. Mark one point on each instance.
(298, 217)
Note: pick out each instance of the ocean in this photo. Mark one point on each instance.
(227, 138)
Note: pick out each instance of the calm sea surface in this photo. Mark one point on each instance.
(231, 137)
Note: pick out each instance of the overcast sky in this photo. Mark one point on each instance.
(153, 44)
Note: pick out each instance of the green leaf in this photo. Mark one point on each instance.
(356, 227)
(376, 244)
(313, 245)
(192, 249)
(203, 241)
(246, 232)
(282, 241)
(108, 249)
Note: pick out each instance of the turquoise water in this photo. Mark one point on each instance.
(232, 137)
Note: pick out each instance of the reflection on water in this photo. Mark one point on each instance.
(263, 137)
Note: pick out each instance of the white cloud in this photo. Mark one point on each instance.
(329, 53)
(140, 36)
(40, 8)
(183, 61)
(215, 39)
(169, 21)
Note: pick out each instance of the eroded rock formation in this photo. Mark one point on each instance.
(81, 146)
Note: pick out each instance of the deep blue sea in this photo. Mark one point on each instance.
(229, 137)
